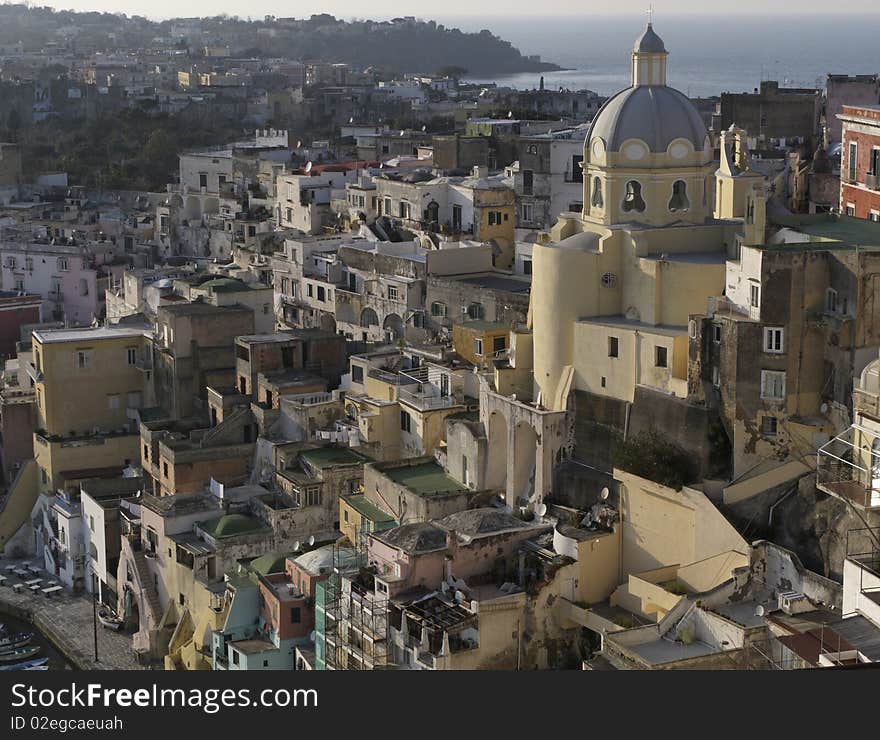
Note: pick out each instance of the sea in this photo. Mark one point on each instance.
(708, 54)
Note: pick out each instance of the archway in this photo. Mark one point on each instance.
(369, 318)
(394, 324)
(525, 456)
(496, 464)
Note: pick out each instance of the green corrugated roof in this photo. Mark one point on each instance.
(424, 479)
(367, 509)
(230, 525)
(271, 562)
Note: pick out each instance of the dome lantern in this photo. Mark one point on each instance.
(649, 59)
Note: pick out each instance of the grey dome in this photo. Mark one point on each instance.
(656, 114)
(649, 42)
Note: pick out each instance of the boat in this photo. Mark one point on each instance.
(13, 641)
(9, 656)
(108, 619)
(28, 665)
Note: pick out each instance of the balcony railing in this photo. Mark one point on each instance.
(872, 181)
(850, 471)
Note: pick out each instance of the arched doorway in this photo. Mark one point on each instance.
(369, 318)
(496, 465)
(394, 325)
(525, 449)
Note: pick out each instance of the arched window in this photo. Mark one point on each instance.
(596, 200)
(679, 200)
(633, 200)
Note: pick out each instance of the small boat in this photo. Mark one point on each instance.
(13, 641)
(108, 619)
(28, 665)
(10, 656)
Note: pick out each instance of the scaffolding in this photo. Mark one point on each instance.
(352, 616)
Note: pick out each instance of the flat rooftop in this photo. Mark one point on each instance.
(89, 334)
(327, 457)
(425, 479)
(488, 281)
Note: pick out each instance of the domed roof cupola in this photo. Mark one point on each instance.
(649, 42)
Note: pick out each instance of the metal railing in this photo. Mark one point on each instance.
(850, 471)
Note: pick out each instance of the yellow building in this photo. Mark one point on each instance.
(88, 384)
(614, 286)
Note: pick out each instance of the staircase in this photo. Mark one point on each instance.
(145, 581)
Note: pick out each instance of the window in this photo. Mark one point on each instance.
(852, 161)
(284, 286)
(874, 216)
(322, 294)
(62, 264)
(309, 290)
(633, 200)
(164, 469)
(716, 377)
(357, 373)
(146, 453)
(528, 182)
(679, 200)
(754, 295)
(613, 347)
(874, 167)
(131, 354)
(181, 598)
(527, 267)
(438, 309)
(404, 209)
(577, 172)
(527, 211)
(597, 200)
(91, 523)
(386, 206)
(294, 615)
(716, 333)
(83, 286)
(83, 359)
(478, 347)
(661, 357)
(311, 496)
(444, 385)
(203, 181)
(831, 300)
(773, 339)
(393, 293)
(499, 344)
(475, 311)
(19, 285)
(465, 475)
(235, 655)
(772, 385)
(494, 218)
(769, 426)
(850, 209)
(405, 421)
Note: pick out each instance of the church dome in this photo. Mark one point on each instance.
(649, 42)
(655, 114)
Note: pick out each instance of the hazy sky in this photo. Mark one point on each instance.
(448, 10)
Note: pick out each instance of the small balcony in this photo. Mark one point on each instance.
(872, 181)
(848, 468)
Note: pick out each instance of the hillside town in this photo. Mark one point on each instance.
(413, 373)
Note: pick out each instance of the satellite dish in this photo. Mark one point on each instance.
(296, 546)
(510, 114)
(459, 596)
(424, 128)
(308, 166)
(541, 510)
(824, 408)
(311, 540)
(759, 610)
(351, 120)
(605, 494)
(402, 132)
(312, 636)
(299, 143)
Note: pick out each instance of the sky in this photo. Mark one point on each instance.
(452, 9)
